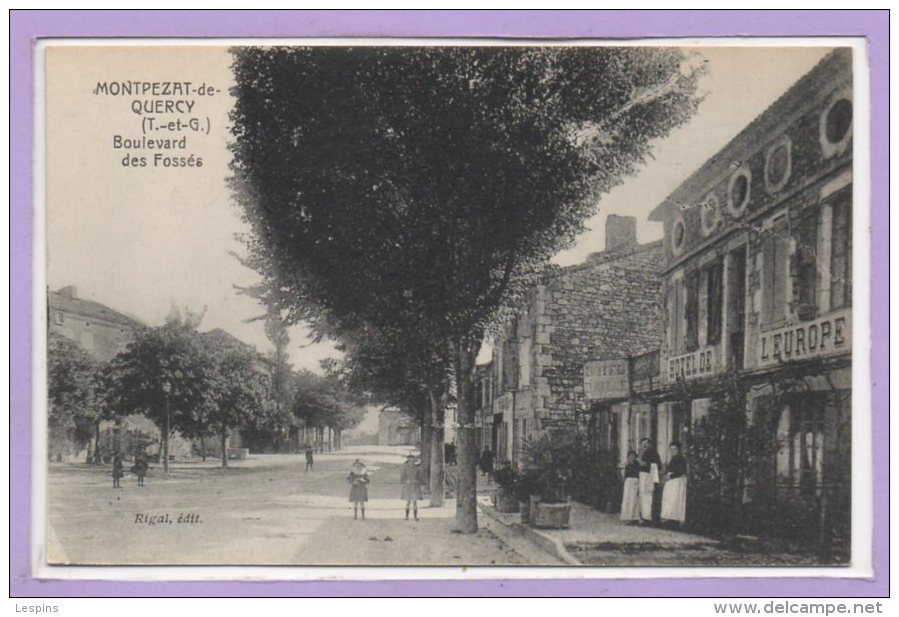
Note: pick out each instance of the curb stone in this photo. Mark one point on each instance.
(543, 541)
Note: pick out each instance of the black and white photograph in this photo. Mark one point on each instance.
(459, 303)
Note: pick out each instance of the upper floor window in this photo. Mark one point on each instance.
(841, 253)
(676, 315)
(836, 127)
(714, 301)
(59, 317)
(691, 311)
(775, 254)
(806, 236)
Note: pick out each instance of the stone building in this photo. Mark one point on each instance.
(758, 292)
(397, 429)
(585, 321)
(101, 331)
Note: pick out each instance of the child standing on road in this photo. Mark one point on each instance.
(410, 478)
(358, 481)
(140, 468)
(310, 460)
(117, 470)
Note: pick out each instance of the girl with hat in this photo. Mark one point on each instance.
(358, 481)
(410, 478)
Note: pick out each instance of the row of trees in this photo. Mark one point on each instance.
(403, 199)
(203, 385)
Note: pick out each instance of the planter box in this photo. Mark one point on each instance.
(524, 508)
(504, 500)
(555, 515)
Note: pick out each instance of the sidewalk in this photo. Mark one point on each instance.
(591, 532)
(595, 538)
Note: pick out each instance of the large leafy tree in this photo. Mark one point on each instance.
(238, 386)
(165, 373)
(72, 384)
(423, 189)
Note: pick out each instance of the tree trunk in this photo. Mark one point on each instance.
(203, 446)
(465, 354)
(438, 464)
(425, 444)
(96, 456)
(330, 433)
(224, 436)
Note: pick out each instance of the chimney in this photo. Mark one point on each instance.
(69, 291)
(621, 232)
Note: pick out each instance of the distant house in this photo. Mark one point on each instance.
(101, 331)
(397, 429)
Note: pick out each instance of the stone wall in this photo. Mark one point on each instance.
(606, 308)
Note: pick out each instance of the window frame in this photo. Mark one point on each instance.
(771, 316)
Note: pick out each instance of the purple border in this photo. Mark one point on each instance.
(25, 26)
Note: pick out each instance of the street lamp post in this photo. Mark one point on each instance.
(166, 388)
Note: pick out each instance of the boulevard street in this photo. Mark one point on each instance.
(262, 511)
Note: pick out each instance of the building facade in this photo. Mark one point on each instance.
(397, 429)
(98, 329)
(562, 360)
(758, 292)
(102, 332)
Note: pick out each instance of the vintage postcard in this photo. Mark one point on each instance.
(459, 303)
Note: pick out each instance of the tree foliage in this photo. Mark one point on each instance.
(72, 384)
(424, 189)
(237, 388)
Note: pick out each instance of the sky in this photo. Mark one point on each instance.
(140, 239)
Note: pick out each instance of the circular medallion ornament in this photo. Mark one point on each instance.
(836, 126)
(778, 164)
(678, 235)
(738, 192)
(710, 214)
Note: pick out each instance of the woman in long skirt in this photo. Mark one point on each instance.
(674, 496)
(649, 479)
(410, 478)
(630, 499)
(358, 481)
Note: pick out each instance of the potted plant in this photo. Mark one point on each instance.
(550, 459)
(504, 497)
(525, 486)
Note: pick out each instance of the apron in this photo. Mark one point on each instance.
(674, 500)
(648, 480)
(630, 500)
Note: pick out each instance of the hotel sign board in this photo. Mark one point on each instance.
(825, 336)
(606, 379)
(693, 365)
